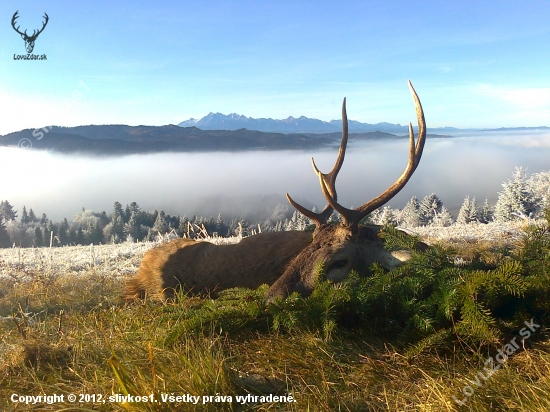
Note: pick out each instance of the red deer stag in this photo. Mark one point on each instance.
(205, 268)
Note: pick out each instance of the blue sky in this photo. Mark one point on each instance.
(473, 63)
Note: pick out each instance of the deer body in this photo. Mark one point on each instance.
(204, 268)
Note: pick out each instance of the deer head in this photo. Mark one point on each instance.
(340, 249)
(29, 40)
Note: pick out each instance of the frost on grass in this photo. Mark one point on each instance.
(499, 232)
(115, 260)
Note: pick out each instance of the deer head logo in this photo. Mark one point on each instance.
(29, 40)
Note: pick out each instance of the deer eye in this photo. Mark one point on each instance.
(340, 263)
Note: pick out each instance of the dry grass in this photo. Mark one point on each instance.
(64, 329)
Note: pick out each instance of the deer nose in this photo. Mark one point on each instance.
(401, 255)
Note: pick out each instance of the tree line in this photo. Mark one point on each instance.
(521, 197)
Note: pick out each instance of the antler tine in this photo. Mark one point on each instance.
(329, 178)
(46, 18)
(13, 21)
(353, 216)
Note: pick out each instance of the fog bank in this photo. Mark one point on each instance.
(206, 184)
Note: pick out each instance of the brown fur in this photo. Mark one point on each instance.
(204, 268)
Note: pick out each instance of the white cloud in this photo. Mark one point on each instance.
(522, 98)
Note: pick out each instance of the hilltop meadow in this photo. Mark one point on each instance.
(463, 326)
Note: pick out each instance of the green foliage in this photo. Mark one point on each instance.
(424, 304)
(234, 310)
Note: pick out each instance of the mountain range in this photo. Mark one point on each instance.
(302, 124)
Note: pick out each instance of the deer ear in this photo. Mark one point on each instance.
(23, 36)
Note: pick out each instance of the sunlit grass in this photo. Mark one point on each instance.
(65, 329)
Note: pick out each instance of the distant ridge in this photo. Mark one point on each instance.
(302, 124)
(116, 140)
(516, 129)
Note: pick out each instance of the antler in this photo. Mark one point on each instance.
(15, 16)
(329, 178)
(353, 216)
(34, 33)
(43, 26)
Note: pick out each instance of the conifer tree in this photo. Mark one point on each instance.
(117, 221)
(221, 227)
(6, 211)
(80, 239)
(95, 233)
(298, 221)
(468, 212)
(443, 218)
(429, 207)
(334, 218)
(47, 236)
(63, 232)
(133, 228)
(539, 185)
(24, 215)
(38, 238)
(385, 217)
(5, 240)
(160, 225)
(410, 215)
(72, 236)
(128, 213)
(485, 214)
(515, 199)
(32, 216)
(184, 221)
(134, 208)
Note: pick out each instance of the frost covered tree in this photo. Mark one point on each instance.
(468, 212)
(429, 207)
(410, 215)
(221, 227)
(160, 226)
(442, 218)
(383, 217)
(516, 199)
(334, 218)
(133, 229)
(183, 224)
(539, 184)
(485, 213)
(298, 221)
